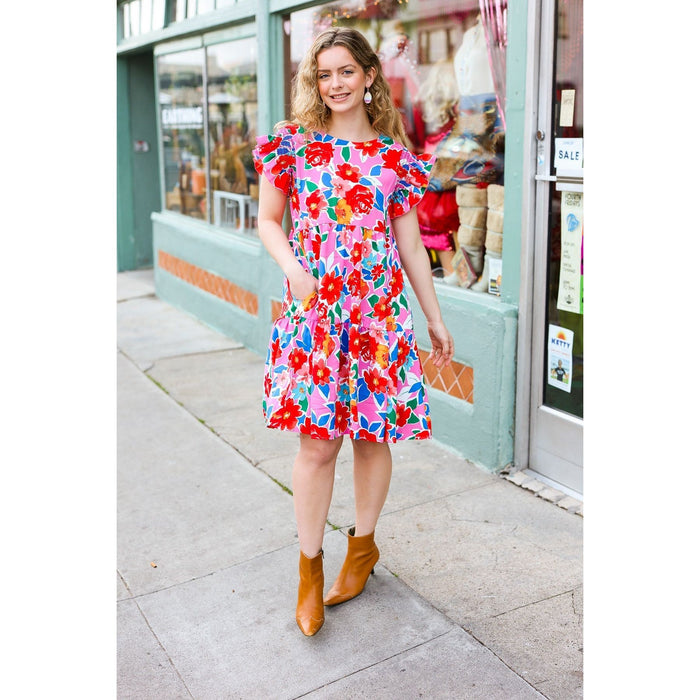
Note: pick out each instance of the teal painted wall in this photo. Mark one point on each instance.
(125, 237)
(516, 89)
(138, 179)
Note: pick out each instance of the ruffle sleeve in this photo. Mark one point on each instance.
(274, 157)
(411, 182)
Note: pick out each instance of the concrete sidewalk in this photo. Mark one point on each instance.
(478, 592)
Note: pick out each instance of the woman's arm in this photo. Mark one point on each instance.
(416, 263)
(270, 214)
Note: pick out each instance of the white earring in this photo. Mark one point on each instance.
(368, 96)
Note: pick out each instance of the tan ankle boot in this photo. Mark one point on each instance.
(310, 614)
(359, 562)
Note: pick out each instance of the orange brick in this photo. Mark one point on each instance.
(209, 282)
(455, 379)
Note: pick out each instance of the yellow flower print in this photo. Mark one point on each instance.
(328, 345)
(343, 212)
(381, 356)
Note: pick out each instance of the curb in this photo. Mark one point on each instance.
(546, 492)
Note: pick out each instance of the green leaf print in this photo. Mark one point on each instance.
(345, 153)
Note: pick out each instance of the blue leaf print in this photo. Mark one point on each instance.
(305, 340)
(363, 391)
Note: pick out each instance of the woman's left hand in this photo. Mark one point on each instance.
(443, 346)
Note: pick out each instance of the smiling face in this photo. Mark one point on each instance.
(341, 80)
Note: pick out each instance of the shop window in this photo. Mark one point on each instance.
(445, 64)
(140, 17)
(184, 9)
(134, 17)
(158, 14)
(233, 115)
(145, 25)
(207, 141)
(181, 97)
(178, 9)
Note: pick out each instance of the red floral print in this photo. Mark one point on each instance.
(315, 204)
(403, 413)
(370, 148)
(382, 309)
(360, 199)
(318, 153)
(321, 373)
(331, 287)
(348, 363)
(349, 172)
(286, 415)
(298, 358)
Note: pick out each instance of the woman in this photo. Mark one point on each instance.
(343, 358)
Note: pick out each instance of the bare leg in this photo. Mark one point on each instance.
(312, 485)
(372, 474)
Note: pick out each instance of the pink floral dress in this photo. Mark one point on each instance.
(345, 361)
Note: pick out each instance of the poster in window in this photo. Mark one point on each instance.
(570, 296)
(559, 357)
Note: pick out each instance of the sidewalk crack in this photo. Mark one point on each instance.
(160, 644)
(376, 663)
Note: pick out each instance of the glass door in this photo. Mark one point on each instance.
(556, 409)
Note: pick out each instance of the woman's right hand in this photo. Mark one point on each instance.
(302, 284)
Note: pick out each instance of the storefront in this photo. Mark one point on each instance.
(495, 91)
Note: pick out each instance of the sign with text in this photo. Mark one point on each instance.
(568, 154)
(560, 357)
(570, 297)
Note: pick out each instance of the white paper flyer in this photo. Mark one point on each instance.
(560, 357)
(570, 296)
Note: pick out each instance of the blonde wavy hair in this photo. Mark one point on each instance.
(309, 110)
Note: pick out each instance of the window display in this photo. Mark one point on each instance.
(181, 97)
(208, 172)
(445, 64)
(233, 109)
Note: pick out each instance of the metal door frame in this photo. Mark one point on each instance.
(535, 218)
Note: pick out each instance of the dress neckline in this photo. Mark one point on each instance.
(320, 135)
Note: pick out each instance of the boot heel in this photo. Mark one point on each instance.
(359, 563)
